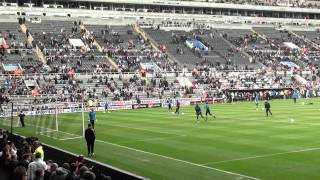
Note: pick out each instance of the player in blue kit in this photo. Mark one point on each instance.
(207, 108)
(106, 107)
(295, 95)
(256, 100)
(198, 111)
(169, 102)
(92, 117)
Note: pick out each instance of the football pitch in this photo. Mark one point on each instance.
(241, 143)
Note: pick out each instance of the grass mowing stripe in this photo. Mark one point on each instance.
(142, 129)
(151, 139)
(179, 160)
(263, 156)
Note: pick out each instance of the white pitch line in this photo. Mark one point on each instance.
(48, 136)
(179, 160)
(70, 138)
(262, 156)
(48, 131)
(68, 133)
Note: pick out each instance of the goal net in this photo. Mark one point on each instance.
(55, 120)
(7, 116)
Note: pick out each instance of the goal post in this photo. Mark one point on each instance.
(82, 118)
(64, 120)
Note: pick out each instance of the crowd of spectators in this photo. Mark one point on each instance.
(129, 49)
(290, 3)
(25, 160)
(244, 85)
(271, 50)
(74, 89)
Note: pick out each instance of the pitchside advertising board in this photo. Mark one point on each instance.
(191, 101)
(147, 103)
(112, 105)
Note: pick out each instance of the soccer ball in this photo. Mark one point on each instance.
(291, 120)
(172, 112)
(182, 113)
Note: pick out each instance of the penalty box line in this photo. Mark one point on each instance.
(178, 160)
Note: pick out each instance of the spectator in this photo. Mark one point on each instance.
(39, 174)
(26, 159)
(13, 149)
(60, 174)
(37, 164)
(39, 149)
(20, 173)
(88, 175)
(51, 169)
(72, 175)
(12, 164)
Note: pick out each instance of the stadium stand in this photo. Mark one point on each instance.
(227, 49)
(16, 50)
(69, 60)
(219, 52)
(128, 48)
(65, 46)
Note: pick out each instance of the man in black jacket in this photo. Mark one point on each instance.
(21, 117)
(267, 106)
(90, 137)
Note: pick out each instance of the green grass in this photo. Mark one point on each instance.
(159, 145)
